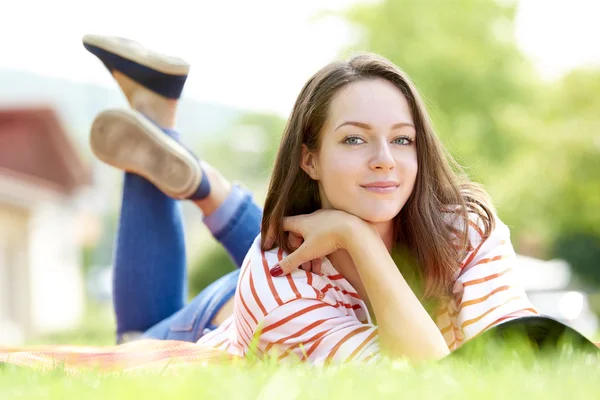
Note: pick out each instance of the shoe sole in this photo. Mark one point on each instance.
(126, 140)
(135, 52)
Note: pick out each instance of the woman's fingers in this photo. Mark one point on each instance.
(316, 266)
(295, 240)
(292, 224)
(306, 267)
(300, 256)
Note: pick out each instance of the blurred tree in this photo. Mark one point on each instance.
(208, 268)
(582, 251)
(555, 177)
(246, 150)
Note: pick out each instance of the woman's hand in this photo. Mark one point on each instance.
(315, 236)
(314, 266)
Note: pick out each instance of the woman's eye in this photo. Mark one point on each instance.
(403, 140)
(353, 140)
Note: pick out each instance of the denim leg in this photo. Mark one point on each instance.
(149, 259)
(236, 223)
(194, 320)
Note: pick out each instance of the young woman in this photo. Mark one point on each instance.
(399, 254)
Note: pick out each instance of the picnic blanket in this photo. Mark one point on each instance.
(147, 353)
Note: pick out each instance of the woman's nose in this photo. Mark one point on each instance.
(382, 157)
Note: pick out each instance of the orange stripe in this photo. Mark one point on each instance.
(313, 348)
(220, 343)
(247, 330)
(291, 348)
(369, 357)
(337, 289)
(487, 260)
(446, 329)
(309, 278)
(472, 256)
(294, 315)
(493, 324)
(298, 333)
(363, 344)
(344, 340)
(486, 279)
(335, 277)
(473, 320)
(477, 228)
(442, 310)
(244, 271)
(348, 305)
(255, 295)
(484, 298)
(246, 307)
(452, 314)
(270, 279)
(351, 294)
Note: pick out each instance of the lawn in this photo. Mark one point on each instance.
(563, 377)
(511, 371)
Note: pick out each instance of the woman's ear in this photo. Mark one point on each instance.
(308, 162)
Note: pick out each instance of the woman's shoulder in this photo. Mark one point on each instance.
(479, 226)
(266, 291)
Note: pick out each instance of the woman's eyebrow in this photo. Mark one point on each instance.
(368, 127)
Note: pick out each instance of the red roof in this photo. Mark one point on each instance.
(34, 146)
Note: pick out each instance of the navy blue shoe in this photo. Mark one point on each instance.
(160, 73)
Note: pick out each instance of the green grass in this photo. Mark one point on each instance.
(515, 374)
(487, 372)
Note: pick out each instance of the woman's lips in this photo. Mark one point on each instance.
(381, 189)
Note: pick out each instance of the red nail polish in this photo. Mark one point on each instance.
(276, 271)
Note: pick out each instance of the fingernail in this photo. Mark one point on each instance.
(276, 271)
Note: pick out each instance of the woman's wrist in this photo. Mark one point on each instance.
(354, 228)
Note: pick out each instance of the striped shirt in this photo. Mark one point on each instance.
(322, 319)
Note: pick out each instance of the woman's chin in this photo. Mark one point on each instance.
(377, 217)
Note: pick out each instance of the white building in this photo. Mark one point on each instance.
(41, 175)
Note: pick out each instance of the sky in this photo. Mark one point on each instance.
(251, 54)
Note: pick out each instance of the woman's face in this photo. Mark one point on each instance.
(367, 161)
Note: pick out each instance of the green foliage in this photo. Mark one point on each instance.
(208, 268)
(582, 251)
(246, 150)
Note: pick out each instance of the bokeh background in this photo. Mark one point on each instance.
(513, 88)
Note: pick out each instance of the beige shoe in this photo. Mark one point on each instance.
(127, 140)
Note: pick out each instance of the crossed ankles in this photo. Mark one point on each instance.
(132, 141)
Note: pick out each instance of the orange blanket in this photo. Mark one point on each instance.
(158, 354)
(149, 353)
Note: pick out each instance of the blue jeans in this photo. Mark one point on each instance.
(150, 285)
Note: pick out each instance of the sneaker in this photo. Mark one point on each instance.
(127, 140)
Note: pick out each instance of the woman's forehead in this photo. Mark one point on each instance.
(376, 102)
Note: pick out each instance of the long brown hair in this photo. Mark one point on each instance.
(422, 228)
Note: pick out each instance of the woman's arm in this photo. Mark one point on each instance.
(405, 328)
